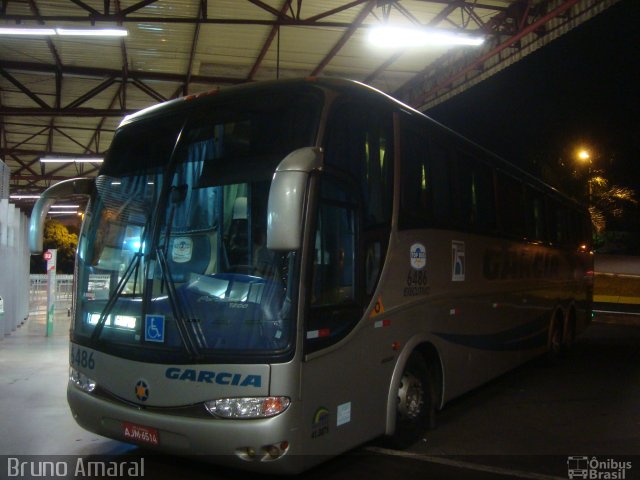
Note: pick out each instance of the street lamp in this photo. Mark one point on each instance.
(585, 157)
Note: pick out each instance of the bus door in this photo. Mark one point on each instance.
(343, 390)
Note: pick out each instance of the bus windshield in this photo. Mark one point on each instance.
(172, 260)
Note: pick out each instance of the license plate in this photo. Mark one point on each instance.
(140, 433)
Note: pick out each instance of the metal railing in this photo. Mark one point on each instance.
(64, 291)
(38, 293)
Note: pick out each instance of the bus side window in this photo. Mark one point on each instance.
(359, 147)
(535, 212)
(360, 144)
(510, 204)
(475, 194)
(334, 262)
(333, 297)
(414, 202)
(441, 186)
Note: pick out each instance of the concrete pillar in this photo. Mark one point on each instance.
(10, 299)
(5, 272)
(23, 271)
(14, 267)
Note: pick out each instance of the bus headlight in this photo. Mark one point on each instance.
(81, 381)
(247, 407)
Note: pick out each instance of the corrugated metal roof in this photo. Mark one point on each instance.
(66, 95)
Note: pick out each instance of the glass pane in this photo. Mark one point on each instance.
(334, 263)
(173, 250)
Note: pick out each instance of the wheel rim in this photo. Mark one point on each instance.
(556, 339)
(410, 397)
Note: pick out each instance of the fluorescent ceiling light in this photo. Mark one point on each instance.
(78, 32)
(403, 37)
(26, 31)
(24, 197)
(94, 32)
(65, 206)
(71, 160)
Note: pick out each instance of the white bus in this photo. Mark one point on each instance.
(297, 267)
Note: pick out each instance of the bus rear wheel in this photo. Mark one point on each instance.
(415, 409)
(555, 346)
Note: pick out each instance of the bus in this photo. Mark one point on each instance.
(274, 273)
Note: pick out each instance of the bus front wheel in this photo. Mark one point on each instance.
(415, 409)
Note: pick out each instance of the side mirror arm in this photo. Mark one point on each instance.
(65, 188)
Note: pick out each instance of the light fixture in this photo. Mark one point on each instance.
(98, 32)
(387, 36)
(78, 32)
(27, 31)
(71, 160)
(19, 196)
(65, 206)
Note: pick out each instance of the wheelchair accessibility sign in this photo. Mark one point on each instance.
(154, 328)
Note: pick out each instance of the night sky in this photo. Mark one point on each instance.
(581, 89)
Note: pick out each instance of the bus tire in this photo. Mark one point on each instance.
(569, 336)
(555, 346)
(415, 410)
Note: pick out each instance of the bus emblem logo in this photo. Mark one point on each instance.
(418, 256)
(142, 391)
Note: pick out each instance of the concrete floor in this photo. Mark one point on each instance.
(35, 418)
(529, 420)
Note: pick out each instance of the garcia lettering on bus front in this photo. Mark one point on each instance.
(208, 376)
(514, 264)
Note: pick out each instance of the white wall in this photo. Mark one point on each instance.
(14, 267)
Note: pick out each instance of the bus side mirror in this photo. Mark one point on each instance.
(286, 198)
(73, 186)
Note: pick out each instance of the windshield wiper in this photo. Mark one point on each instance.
(131, 267)
(178, 314)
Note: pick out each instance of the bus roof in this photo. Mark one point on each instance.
(341, 85)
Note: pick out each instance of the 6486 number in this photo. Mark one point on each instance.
(417, 278)
(82, 358)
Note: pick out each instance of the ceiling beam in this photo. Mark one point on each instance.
(91, 93)
(364, 13)
(333, 11)
(101, 73)
(24, 165)
(148, 90)
(267, 44)
(278, 14)
(202, 13)
(283, 21)
(86, 7)
(135, 7)
(62, 127)
(23, 88)
(62, 112)
(422, 98)
(462, 3)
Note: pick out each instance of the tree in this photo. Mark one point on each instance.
(607, 202)
(57, 236)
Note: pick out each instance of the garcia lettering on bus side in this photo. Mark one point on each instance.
(208, 376)
(513, 264)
